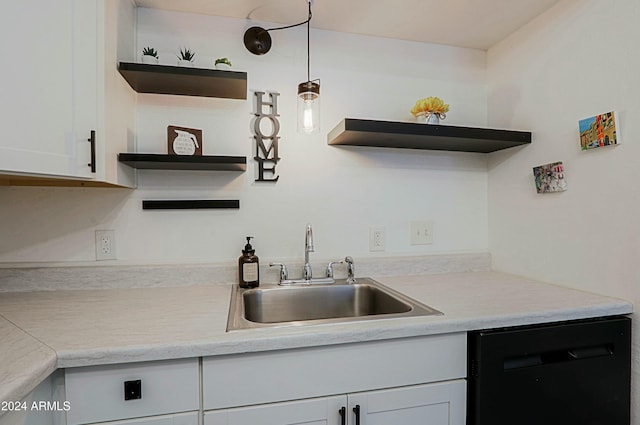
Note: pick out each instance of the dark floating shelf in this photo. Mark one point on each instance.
(191, 204)
(178, 80)
(392, 134)
(176, 162)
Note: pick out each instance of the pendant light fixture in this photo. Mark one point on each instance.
(258, 41)
(309, 96)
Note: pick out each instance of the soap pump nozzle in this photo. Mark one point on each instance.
(248, 249)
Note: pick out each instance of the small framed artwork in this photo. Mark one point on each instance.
(599, 131)
(550, 178)
(184, 141)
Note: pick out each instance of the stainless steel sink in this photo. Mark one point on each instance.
(273, 305)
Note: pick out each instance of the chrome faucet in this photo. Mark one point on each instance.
(308, 247)
(306, 272)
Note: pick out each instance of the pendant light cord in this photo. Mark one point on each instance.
(294, 25)
(308, 45)
(308, 21)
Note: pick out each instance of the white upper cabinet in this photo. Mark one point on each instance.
(116, 100)
(48, 87)
(56, 89)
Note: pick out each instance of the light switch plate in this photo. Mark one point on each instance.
(421, 232)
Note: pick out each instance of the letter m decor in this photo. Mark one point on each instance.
(266, 144)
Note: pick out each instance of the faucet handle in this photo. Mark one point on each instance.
(329, 272)
(351, 271)
(284, 274)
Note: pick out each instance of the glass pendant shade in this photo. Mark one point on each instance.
(308, 107)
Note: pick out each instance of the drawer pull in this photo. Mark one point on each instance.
(133, 390)
(356, 410)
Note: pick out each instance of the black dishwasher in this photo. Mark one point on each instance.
(564, 373)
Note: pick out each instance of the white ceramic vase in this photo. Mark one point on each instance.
(429, 118)
(148, 59)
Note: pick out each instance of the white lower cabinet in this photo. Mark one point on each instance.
(406, 381)
(179, 419)
(441, 403)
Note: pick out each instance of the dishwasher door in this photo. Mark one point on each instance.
(565, 373)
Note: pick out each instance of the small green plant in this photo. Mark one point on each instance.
(223, 60)
(150, 51)
(186, 55)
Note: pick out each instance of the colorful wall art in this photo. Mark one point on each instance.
(550, 178)
(598, 131)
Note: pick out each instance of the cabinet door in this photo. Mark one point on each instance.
(319, 411)
(44, 125)
(179, 419)
(116, 100)
(442, 403)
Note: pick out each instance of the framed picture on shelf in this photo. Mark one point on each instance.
(184, 141)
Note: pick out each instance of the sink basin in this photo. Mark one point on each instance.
(273, 305)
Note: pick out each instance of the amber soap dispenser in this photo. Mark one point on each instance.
(248, 267)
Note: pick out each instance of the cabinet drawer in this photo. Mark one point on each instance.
(179, 419)
(267, 377)
(106, 393)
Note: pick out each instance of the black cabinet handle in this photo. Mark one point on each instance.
(92, 140)
(133, 390)
(343, 415)
(356, 410)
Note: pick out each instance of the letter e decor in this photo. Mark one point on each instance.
(265, 133)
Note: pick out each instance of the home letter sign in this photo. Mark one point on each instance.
(266, 144)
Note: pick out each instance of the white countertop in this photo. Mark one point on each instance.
(41, 331)
(24, 362)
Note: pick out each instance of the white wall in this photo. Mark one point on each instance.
(341, 191)
(577, 60)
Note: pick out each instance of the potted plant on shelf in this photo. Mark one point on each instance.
(223, 63)
(185, 58)
(430, 110)
(150, 55)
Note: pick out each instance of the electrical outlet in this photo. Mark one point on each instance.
(421, 232)
(105, 245)
(376, 239)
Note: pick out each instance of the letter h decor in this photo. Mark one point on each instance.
(266, 145)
